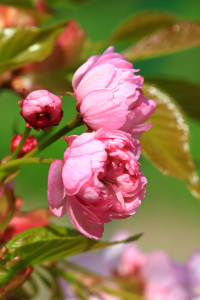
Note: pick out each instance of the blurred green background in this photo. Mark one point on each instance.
(169, 216)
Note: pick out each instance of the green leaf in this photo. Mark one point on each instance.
(42, 244)
(166, 144)
(22, 45)
(175, 38)
(141, 25)
(186, 94)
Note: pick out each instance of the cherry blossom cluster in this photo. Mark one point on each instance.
(99, 178)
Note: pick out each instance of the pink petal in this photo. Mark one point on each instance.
(80, 73)
(84, 220)
(61, 209)
(69, 139)
(137, 130)
(76, 171)
(109, 50)
(101, 110)
(56, 190)
(126, 89)
(97, 79)
(138, 116)
(85, 156)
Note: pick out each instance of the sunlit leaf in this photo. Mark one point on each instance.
(175, 38)
(141, 25)
(166, 143)
(187, 94)
(42, 244)
(22, 45)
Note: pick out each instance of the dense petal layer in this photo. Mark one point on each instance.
(109, 113)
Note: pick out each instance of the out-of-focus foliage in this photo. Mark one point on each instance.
(141, 25)
(20, 46)
(185, 93)
(177, 37)
(42, 244)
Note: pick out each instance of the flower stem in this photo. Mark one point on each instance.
(14, 164)
(75, 122)
(21, 144)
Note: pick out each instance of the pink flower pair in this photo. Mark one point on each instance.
(100, 178)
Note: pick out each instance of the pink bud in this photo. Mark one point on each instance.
(28, 146)
(41, 110)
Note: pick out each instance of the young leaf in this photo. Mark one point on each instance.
(141, 25)
(175, 38)
(22, 45)
(186, 94)
(42, 244)
(166, 143)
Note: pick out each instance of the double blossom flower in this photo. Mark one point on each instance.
(109, 94)
(99, 180)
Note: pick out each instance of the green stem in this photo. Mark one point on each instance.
(21, 144)
(75, 122)
(14, 164)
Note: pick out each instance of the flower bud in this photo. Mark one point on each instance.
(28, 146)
(41, 110)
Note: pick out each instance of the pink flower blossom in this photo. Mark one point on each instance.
(153, 276)
(109, 94)
(99, 179)
(156, 275)
(41, 110)
(29, 145)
